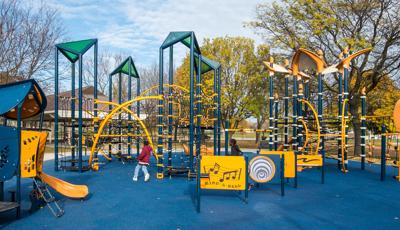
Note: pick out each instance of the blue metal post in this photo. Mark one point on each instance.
(73, 101)
(19, 110)
(226, 137)
(320, 111)
(363, 127)
(129, 107)
(170, 109)
(286, 127)
(215, 111)
(294, 127)
(120, 115)
(80, 118)
(346, 109)
(138, 115)
(95, 112)
(191, 102)
(383, 153)
(198, 105)
(56, 110)
(276, 104)
(160, 112)
(340, 100)
(110, 96)
(271, 106)
(219, 110)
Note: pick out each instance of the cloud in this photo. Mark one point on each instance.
(139, 27)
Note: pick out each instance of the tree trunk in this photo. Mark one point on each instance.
(354, 105)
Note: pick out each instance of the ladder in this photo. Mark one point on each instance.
(50, 200)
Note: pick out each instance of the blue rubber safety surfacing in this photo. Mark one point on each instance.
(356, 200)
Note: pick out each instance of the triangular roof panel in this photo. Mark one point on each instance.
(206, 64)
(72, 50)
(181, 36)
(124, 68)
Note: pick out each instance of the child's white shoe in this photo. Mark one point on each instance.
(147, 177)
(134, 179)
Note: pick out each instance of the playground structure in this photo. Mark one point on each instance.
(22, 151)
(115, 128)
(76, 134)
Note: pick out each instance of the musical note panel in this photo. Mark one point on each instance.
(223, 172)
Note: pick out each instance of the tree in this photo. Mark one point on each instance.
(332, 25)
(27, 39)
(240, 71)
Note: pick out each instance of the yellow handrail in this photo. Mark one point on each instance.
(318, 125)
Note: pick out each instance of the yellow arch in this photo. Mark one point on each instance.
(110, 115)
(134, 116)
(318, 125)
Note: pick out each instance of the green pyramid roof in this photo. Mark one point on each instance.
(206, 64)
(125, 66)
(184, 37)
(72, 50)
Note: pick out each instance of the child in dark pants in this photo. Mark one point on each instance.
(143, 159)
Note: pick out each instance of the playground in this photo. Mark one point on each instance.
(315, 148)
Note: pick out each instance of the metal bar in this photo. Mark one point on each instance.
(95, 82)
(73, 101)
(129, 107)
(340, 101)
(346, 109)
(276, 104)
(300, 116)
(219, 111)
(19, 111)
(56, 110)
(215, 114)
(160, 112)
(282, 174)
(198, 110)
(138, 115)
(170, 120)
(110, 96)
(80, 118)
(191, 101)
(294, 129)
(226, 137)
(383, 153)
(120, 115)
(363, 128)
(286, 118)
(271, 105)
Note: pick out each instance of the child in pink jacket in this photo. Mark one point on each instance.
(144, 160)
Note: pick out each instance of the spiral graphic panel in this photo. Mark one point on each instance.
(262, 169)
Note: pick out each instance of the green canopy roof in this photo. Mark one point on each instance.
(125, 66)
(184, 37)
(206, 64)
(72, 50)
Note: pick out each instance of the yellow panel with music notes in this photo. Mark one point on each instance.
(309, 160)
(223, 172)
(289, 161)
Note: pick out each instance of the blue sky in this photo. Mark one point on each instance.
(138, 27)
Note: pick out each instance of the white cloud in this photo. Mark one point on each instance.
(139, 27)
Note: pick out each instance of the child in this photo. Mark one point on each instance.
(144, 159)
(235, 150)
(263, 144)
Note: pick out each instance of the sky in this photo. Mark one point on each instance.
(138, 27)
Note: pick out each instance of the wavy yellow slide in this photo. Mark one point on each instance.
(65, 188)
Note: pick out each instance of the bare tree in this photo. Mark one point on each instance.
(27, 38)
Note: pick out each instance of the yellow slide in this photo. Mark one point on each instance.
(65, 188)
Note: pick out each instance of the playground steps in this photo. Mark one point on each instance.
(50, 200)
